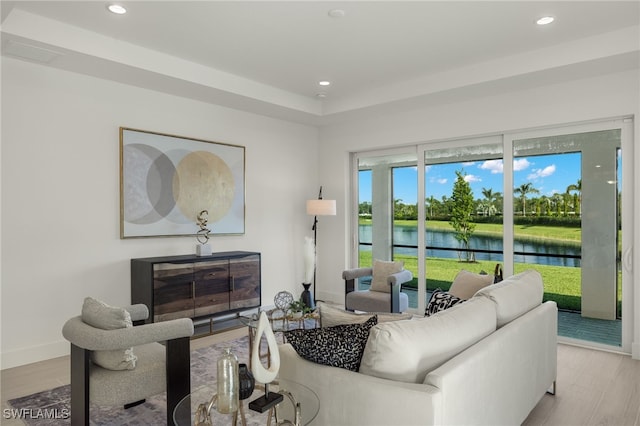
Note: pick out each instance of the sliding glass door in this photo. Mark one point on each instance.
(552, 200)
(566, 222)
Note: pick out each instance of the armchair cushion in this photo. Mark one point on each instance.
(466, 284)
(381, 272)
(100, 315)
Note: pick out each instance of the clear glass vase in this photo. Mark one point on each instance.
(228, 383)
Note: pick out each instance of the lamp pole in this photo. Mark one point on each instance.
(318, 207)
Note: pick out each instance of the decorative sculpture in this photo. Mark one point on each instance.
(203, 249)
(261, 374)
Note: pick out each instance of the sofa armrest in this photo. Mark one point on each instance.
(518, 363)
(350, 398)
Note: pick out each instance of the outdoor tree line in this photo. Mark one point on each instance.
(527, 203)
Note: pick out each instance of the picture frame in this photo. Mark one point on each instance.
(166, 181)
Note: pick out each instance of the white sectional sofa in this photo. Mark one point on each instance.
(487, 361)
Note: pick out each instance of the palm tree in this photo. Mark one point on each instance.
(578, 188)
(431, 201)
(490, 197)
(524, 190)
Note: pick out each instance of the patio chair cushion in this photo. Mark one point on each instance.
(331, 316)
(466, 284)
(381, 271)
(338, 346)
(100, 315)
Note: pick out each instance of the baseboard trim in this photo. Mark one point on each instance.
(33, 354)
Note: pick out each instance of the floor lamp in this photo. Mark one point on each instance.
(317, 208)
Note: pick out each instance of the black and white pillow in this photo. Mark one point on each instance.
(338, 346)
(441, 300)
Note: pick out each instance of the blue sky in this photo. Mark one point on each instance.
(548, 174)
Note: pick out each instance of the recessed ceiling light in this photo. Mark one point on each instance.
(336, 13)
(324, 83)
(117, 9)
(545, 20)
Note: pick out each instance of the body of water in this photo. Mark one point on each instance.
(537, 252)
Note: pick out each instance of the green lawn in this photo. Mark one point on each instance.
(561, 284)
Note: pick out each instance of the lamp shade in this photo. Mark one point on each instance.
(321, 207)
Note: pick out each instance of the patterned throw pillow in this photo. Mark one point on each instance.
(339, 346)
(441, 300)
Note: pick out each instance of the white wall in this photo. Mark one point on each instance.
(575, 101)
(60, 196)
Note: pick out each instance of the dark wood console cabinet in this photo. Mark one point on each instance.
(211, 290)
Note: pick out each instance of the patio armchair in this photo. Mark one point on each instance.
(376, 299)
(148, 367)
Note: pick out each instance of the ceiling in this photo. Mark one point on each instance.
(268, 57)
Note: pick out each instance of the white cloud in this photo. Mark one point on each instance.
(494, 166)
(542, 173)
(468, 163)
(442, 181)
(520, 164)
(472, 178)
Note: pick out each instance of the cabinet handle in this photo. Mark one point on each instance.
(233, 283)
(193, 289)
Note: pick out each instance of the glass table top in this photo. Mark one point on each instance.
(184, 413)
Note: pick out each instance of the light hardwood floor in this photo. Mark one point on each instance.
(593, 387)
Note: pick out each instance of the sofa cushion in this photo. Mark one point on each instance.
(441, 300)
(100, 315)
(337, 346)
(407, 350)
(516, 295)
(466, 284)
(381, 271)
(331, 316)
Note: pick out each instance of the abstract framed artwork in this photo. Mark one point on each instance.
(166, 181)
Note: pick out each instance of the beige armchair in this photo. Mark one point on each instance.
(157, 367)
(372, 300)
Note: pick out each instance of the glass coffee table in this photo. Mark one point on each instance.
(279, 322)
(295, 394)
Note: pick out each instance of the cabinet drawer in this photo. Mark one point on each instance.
(211, 287)
(245, 282)
(172, 291)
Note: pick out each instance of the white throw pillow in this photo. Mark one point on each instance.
(100, 315)
(406, 351)
(331, 316)
(381, 271)
(516, 295)
(466, 284)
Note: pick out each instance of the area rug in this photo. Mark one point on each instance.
(50, 407)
